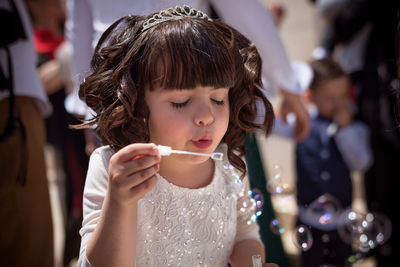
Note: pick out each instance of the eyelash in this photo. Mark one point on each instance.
(183, 104)
(179, 105)
(219, 102)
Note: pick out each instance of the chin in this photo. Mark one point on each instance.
(195, 160)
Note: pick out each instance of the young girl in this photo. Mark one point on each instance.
(180, 79)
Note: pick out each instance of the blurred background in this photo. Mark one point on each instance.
(301, 27)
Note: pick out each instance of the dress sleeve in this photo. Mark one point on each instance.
(93, 197)
(246, 228)
(253, 20)
(79, 32)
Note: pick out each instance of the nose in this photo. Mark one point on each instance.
(203, 115)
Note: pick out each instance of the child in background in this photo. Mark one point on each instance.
(180, 79)
(336, 146)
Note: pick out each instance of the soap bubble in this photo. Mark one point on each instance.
(324, 210)
(364, 231)
(276, 227)
(284, 203)
(382, 226)
(228, 166)
(246, 203)
(247, 206)
(250, 202)
(302, 237)
(375, 229)
(348, 224)
(259, 199)
(237, 182)
(277, 184)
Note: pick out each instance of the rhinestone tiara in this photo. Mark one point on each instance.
(174, 13)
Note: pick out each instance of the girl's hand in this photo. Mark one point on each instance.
(132, 172)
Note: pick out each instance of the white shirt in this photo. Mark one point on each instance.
(177, 226)
(24, 60)
(88, 19)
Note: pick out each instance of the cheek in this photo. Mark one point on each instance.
(167, 125)
(223, 121)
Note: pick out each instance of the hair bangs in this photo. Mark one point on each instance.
(187, 54)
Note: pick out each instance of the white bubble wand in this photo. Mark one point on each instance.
(167, 150)
(257, 260)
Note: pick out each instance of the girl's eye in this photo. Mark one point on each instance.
(179, 105)
(219, 102)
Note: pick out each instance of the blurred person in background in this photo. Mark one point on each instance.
(70, 159)
(26, 224)
(361, 36)
(337, 145)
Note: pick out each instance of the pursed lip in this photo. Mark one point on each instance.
(203, 142)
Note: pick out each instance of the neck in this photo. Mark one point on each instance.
(185, 174)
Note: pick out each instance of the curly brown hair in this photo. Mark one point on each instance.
(178, 54)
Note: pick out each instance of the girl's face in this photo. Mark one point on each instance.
(193, 120)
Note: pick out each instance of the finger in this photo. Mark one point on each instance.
(140, 190)
(129, 152)
(139, 164)
(120, 173)
(141, 176)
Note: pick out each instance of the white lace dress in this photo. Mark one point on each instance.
(177, 226)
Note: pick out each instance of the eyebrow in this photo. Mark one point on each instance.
(163, 90)
(222, 88)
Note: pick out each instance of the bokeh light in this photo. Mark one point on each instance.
(276, 227)
(277, 184)
(302, 237)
